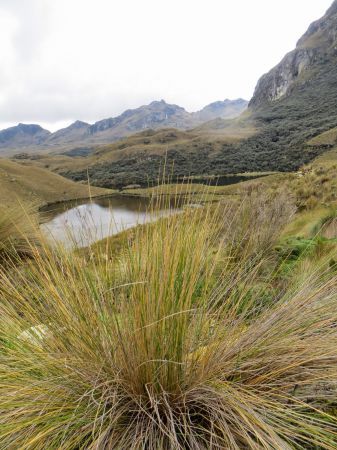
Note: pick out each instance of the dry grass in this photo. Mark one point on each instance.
(254, 224)
(18, 233)
(150, 351)
(28, 184)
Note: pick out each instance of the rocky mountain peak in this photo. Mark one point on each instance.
(161, 105)
(28, 128)
(79, 124)
(313, 49)
(22, 135)
(158, 102)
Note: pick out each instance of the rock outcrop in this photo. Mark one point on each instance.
(315, 47)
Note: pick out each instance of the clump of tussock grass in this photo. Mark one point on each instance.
(253, 225)
(18, 233)
(163, 357)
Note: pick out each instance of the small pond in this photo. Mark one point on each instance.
(80, 223)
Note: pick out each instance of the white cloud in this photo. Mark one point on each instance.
(83, 59)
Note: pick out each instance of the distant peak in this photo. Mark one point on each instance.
(226, 102)
(79, 124)
(30, 128)
(28, 125)
(158, 102)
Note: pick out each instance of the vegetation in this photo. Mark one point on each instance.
(182, 339)
(210, 328)
(30, 184)
(18, 234)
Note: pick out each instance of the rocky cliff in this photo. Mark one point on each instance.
(315, 48)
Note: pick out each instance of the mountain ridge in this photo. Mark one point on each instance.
(157, 114)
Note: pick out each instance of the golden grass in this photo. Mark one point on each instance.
(153, 350)
(270, 182)
(327, 138)
(18, 233)
(29, 184)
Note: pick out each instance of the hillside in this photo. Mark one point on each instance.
(33, 184)
(296, 100)
(139, 158)
(80, 136)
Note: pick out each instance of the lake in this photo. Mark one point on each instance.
(80, 223)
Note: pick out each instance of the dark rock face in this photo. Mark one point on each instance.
(103, 125)
(326, 25)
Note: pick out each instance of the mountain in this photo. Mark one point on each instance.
(227, 109)
(292, 104)
(315, 52)
(160, 114)
(77, 131)
(157, 114)
(23, 135)
(297, 99)
(81, 136)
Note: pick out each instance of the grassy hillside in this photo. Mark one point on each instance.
(139, 158)
(37, 185)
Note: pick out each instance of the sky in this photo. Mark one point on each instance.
(66, 60)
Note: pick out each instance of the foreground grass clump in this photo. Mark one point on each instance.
(152, 351)
(18, 233)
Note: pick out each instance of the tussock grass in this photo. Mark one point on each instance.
(253, 225)
(18, 233)
(151, 350)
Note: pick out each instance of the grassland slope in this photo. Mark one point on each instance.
(38, 185)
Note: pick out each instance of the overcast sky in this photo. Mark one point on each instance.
(62, 60)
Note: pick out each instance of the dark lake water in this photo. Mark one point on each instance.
(81, 223)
